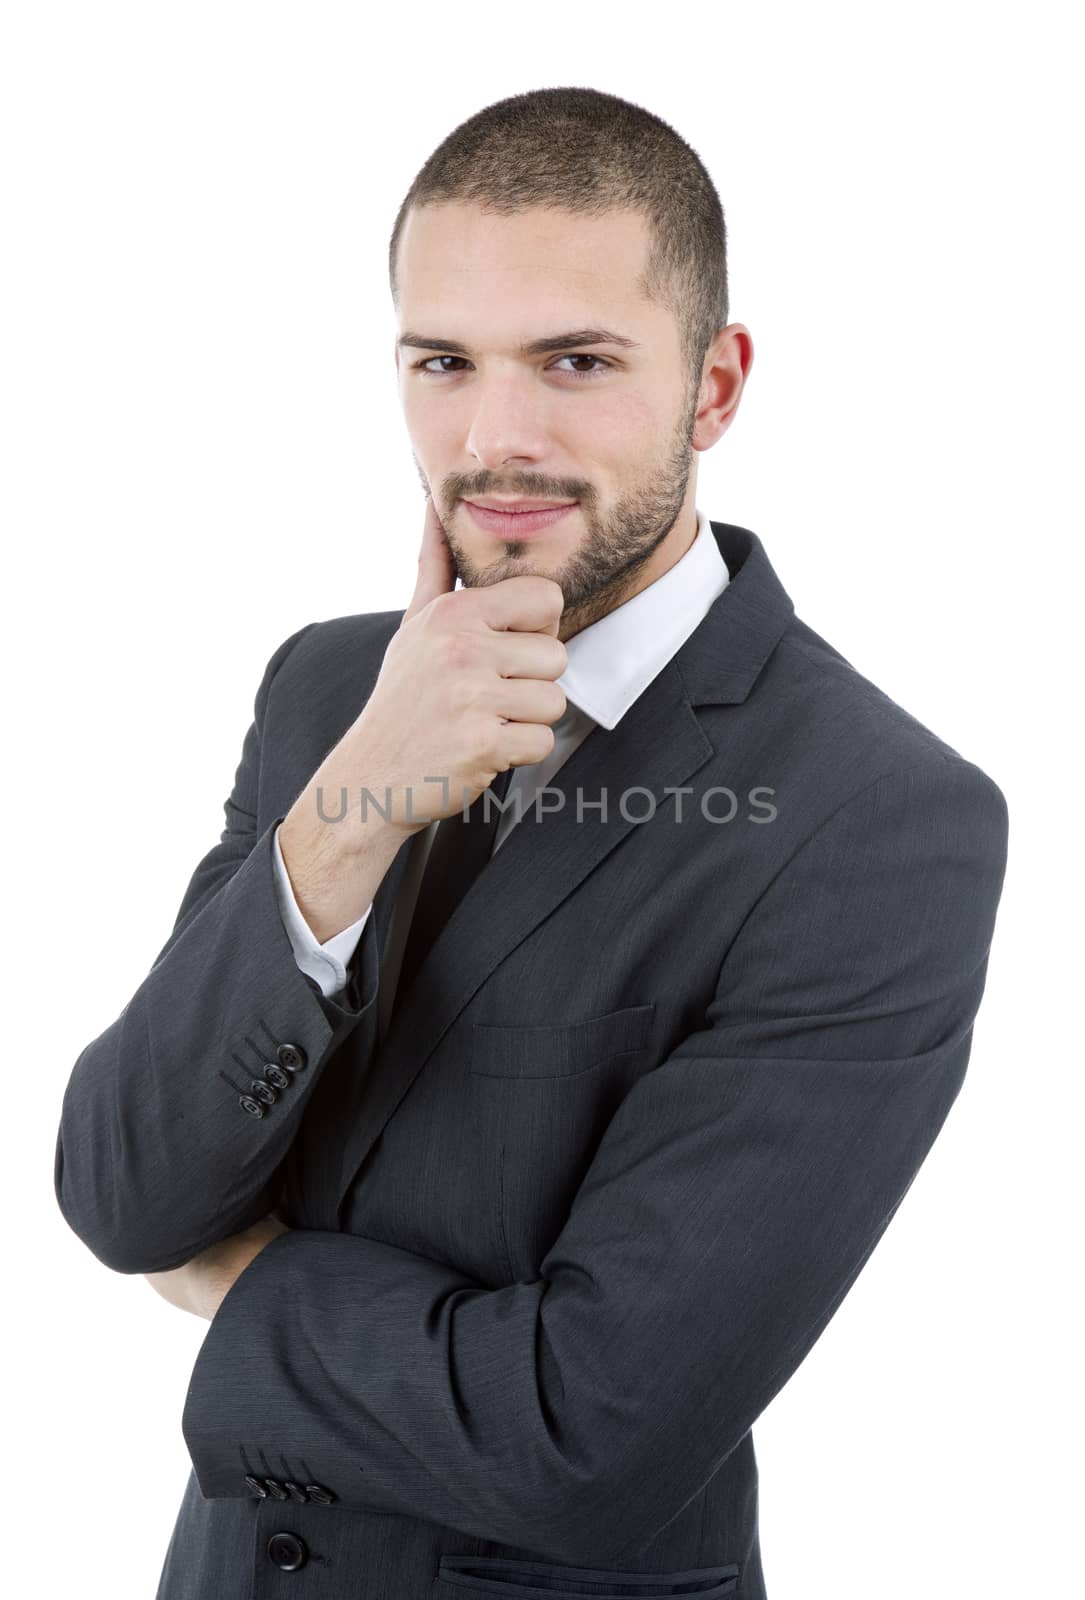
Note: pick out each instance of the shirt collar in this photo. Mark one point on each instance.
(612, 661)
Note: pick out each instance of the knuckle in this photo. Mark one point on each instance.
(443, 608)
(461, 693)
(458, 650)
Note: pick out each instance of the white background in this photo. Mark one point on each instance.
(203, 451)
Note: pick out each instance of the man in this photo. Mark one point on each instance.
(519, 1154)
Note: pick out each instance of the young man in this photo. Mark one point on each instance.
(579, 1113)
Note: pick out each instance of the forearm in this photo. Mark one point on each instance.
(336, 867)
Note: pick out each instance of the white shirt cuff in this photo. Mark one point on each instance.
(325, 963)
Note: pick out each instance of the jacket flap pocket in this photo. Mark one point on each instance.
(495, 1576)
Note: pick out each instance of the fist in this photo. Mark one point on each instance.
(466, 690)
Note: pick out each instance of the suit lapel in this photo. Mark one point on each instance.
(659, 742)
(658, 745)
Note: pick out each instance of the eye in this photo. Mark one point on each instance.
(601, 366)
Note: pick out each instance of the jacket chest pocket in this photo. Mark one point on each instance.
(559, 1049)
(544, 1094)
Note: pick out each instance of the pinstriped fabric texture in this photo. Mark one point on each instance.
(561, 1232)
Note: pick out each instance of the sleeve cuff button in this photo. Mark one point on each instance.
(291, 1056)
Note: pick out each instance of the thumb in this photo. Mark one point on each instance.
(436, 568)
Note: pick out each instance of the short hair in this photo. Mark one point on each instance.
(591, 152)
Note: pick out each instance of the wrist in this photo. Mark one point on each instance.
(335, 868)
(327, 836)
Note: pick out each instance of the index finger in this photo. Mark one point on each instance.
(436, 568)
(528, 603)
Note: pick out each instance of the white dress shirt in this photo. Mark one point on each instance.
(609, 665)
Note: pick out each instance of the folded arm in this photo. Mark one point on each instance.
(735, 1196)
(202, 1283)
(163, 1147)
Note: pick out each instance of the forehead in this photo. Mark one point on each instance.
(458, 255)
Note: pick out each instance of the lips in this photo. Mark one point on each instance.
(520, 507)
(518, 524)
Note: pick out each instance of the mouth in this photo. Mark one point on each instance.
(511, 523)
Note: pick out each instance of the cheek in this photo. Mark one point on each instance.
(621, 428)
(433, 430)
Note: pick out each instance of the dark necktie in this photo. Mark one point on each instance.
(460, 849)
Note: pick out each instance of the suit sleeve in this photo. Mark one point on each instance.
(177, 1119)
(734, 1197)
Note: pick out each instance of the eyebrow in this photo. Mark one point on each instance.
(535, 347)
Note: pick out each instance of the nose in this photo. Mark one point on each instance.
(508, 425)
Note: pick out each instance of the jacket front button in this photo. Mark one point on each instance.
(291, 1056)
(287, 1551)
(276, 1488)
(253, 1107)
(320, 1495)
(256, 1486)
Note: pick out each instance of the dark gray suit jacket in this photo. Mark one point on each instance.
(563, 1233)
